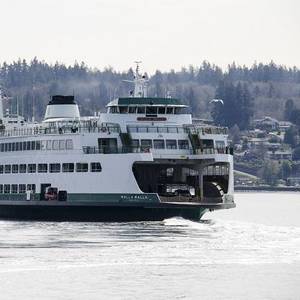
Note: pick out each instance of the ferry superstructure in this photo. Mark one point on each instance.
(143, 159)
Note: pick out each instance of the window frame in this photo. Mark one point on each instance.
(185, 143)
(15, 168)
(6, 189)
(22, 188)
(22, 168)
(40, 169)
(66, 169)
(169, 143)
(54, 168)
(7, 169)
(159, 144)
(14, 189)
(31, 168)
(80, 169)
(94, 170)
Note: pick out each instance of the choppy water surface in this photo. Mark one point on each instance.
(251, 252)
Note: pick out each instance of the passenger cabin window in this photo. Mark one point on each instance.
(208, 143)
(22, 168)
(38, 145)
(6, 188)
(113, 110)
(183, 144)
(22, 188)
(151, 110)
(31, 168)
(31, 187)
(62, 144)
(15, 168)
(1, 169)
(14, 188)
(159, 144)
(220, 144)
(43, 145)
(171, 144)
(54, 168)
(123, 109)
(69, 144)
(135, 143)
(55, 145)
(132, 109)
(42, 168)
(96, 167)
(169, 110)
(161, 110)
(7, 168)
(1, 188)
(49, 145)
(82, 167)
(141, 110)
(68, 167)
(178, 110)
(146, 144)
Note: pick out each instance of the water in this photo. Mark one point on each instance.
(251, 252)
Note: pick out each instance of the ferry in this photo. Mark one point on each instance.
(142, 160)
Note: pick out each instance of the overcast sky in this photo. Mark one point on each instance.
(164, 34)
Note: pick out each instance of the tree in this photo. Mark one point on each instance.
(290, 136)
(295, 117)
(285, 169)
(288, 109)
(269, 172)
(237, 107)
(235, 134)
(296, 153)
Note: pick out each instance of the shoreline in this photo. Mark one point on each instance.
(266, 189)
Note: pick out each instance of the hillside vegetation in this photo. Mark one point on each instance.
(248, 92)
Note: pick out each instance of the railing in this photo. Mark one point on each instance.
(39, 130)
(111, 150)
(178, 129)
(125, 149)
(157, 129)
(226, 150)
(207, 130)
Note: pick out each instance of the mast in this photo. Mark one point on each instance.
(140, 83)
(1, 103)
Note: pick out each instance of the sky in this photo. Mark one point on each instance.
(163, 34)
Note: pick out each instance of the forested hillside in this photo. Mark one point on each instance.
(248, 92)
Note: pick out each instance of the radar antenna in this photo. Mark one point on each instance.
(140, 83)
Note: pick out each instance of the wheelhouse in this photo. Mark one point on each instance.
(151, 107)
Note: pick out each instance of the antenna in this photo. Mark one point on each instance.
(137, 62)
(140, 83)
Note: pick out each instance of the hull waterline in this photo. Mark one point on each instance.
(104, 212)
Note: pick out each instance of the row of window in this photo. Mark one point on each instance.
(154, 129)
(16, 188)
(148, 110)
(37, 145)
(51, 168)
(161, 144)
(214, 170)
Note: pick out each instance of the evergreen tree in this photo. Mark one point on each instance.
(288, 109)
(237, 107)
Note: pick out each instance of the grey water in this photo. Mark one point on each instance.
(250, 252)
